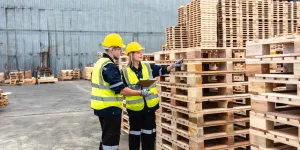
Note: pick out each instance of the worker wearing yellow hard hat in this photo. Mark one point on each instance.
(108, 90)
(141, 109)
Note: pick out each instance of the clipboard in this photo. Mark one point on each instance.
(146, 83)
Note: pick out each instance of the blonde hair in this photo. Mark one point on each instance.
(130, 61)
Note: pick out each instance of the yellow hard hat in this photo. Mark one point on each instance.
(133, 47)
(113, 40)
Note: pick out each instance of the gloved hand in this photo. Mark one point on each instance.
(178, 63)
(145, 92)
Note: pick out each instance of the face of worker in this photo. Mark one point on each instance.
(138, 56)
(116, 51)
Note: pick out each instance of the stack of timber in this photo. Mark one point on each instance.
(176, 37)
(88, 73)
(16, 76)
(49, 79)
(274, 118)
(204, 104)
(65, 75)
(202, 23)
(2, 77)
(235, 22)
(229, 23)
(76, 74)
(123, 62)
(3, 99)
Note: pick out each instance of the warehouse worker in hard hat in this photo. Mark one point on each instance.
(107, 91)
(141, 109)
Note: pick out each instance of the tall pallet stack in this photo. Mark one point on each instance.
(176, 37)
(229, 26)
(247, 18)
(123, 62)
(204, 104)
(202, 23)
(274, 118)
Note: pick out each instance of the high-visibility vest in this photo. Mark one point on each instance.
(136, 103)
(102, 95)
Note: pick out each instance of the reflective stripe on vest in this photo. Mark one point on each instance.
(142, 99)
(107, 99)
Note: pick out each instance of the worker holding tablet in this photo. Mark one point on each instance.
(141, 109)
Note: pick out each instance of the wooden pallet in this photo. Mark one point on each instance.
(45, 80)
(88, 73)
(3, 98)
(200, 52)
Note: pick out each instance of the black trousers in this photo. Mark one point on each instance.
(111, 130)
(142, 130)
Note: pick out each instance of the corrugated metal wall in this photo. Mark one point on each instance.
(72, 30)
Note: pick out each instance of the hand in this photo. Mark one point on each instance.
(178, 63)
(145, 92)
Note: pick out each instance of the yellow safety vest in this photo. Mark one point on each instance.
(136, 103)
(102, 95)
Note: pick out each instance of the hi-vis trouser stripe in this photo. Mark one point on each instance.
(104, 147)
(144, 131)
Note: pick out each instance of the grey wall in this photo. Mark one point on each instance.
(72, 30)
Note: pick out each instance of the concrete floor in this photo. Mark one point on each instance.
(50, 116)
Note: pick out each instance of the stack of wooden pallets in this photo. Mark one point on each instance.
(123, 62)
(88, 73)
(76, 74)
(16, 76)
(202, 23)
(247, 13)
(3, 99)
(276, 97)
(176, 37)
(182, 15)
(204, 104)
(229, 24)
(65, 75)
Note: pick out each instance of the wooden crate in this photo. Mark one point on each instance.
(45, 80)
(88, 73)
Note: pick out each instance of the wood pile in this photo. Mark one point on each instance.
(274, 118)
(204, 104)
(15, 77)
(88, 73)
(3, 99)
(65, 75)
(231, 23)
(176, 37)
(2, 77)
(76, 74)
(45, 80)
